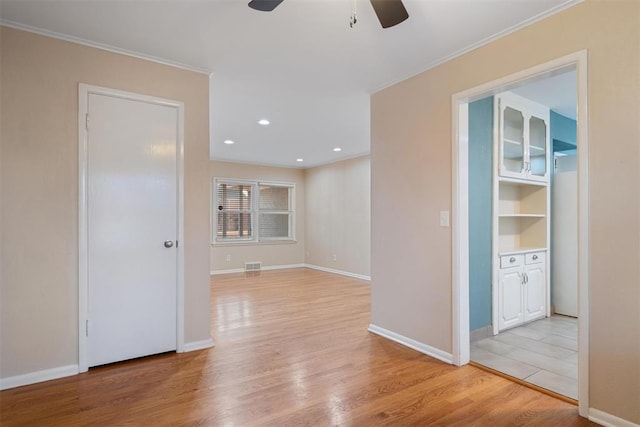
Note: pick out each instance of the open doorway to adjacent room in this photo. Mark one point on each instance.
(520, 155)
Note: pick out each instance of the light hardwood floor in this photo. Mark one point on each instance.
(292, 349)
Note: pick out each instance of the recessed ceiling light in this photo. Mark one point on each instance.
(229, 142)
(299, 160)
(263, 122)
(337, 149)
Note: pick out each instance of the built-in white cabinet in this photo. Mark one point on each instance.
(522, 215)
(522, 288)
(510, 286)
(521, 212)
(523, 136)
(535, 286)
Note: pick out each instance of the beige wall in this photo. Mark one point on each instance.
(332, 217)
(411, 172)
(270, 254)
(338, 220)
(39, 178)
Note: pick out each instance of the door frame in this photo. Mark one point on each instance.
(83, 283)
(460, 192)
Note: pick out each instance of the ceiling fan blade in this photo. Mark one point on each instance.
(264, 5)
(390, 12)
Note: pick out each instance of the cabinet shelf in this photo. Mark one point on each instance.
(512, 149)
(521, 200)
(520, 232)
(536, 149)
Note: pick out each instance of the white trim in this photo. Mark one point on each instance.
(609, 420)
(180, 324)
(433, 64)
(340, 272)
(284, 267)
(411, 343)
(460, 238)
(263, 268)
(582, 138)
(83, 279)
(101, 46)
(197, 345)
(281, 267)
(229, 271)
(460, 273)
(83, 92)
(495, 186)
(38, 376)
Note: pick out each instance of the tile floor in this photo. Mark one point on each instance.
(544, 353)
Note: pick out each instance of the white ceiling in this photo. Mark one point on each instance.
(558, 93)
(301, 66)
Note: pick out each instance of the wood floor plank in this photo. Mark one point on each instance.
(292, 349)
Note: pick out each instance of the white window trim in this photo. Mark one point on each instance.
(255, 217)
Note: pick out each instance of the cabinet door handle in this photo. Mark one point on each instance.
(535, 257)
(526, 278)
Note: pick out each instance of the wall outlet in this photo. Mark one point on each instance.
(334, 257)
(228, 258)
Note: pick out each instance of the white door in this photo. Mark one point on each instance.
(131, 213)
(534, 294)
(564, 217)
(510, 297)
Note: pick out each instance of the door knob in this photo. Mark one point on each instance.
(168, 244)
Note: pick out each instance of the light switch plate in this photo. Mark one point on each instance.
(444, 218)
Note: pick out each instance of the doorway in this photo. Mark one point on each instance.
(130, 226)
(460, 153)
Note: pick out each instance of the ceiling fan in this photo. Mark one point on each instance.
(389, 12)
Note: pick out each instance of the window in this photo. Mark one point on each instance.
(234, 211)
(252, 211)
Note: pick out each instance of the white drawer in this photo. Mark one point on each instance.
(534, 257)
(507, 261)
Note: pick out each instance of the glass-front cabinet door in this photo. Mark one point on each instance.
(537, 146)
(512, 140)
(523, 138)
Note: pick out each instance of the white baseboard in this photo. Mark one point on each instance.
(38, 376)
(609, 420)
(67, 371)
(282, 267)
(263, 268)
(411, 343)
(340, 272)
(230, 271)
(198, 345)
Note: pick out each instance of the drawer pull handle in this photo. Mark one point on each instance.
(535, 257)
(512, 259)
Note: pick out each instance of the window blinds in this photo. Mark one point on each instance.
(243, 207)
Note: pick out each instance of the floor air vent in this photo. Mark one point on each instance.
(252, 266)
